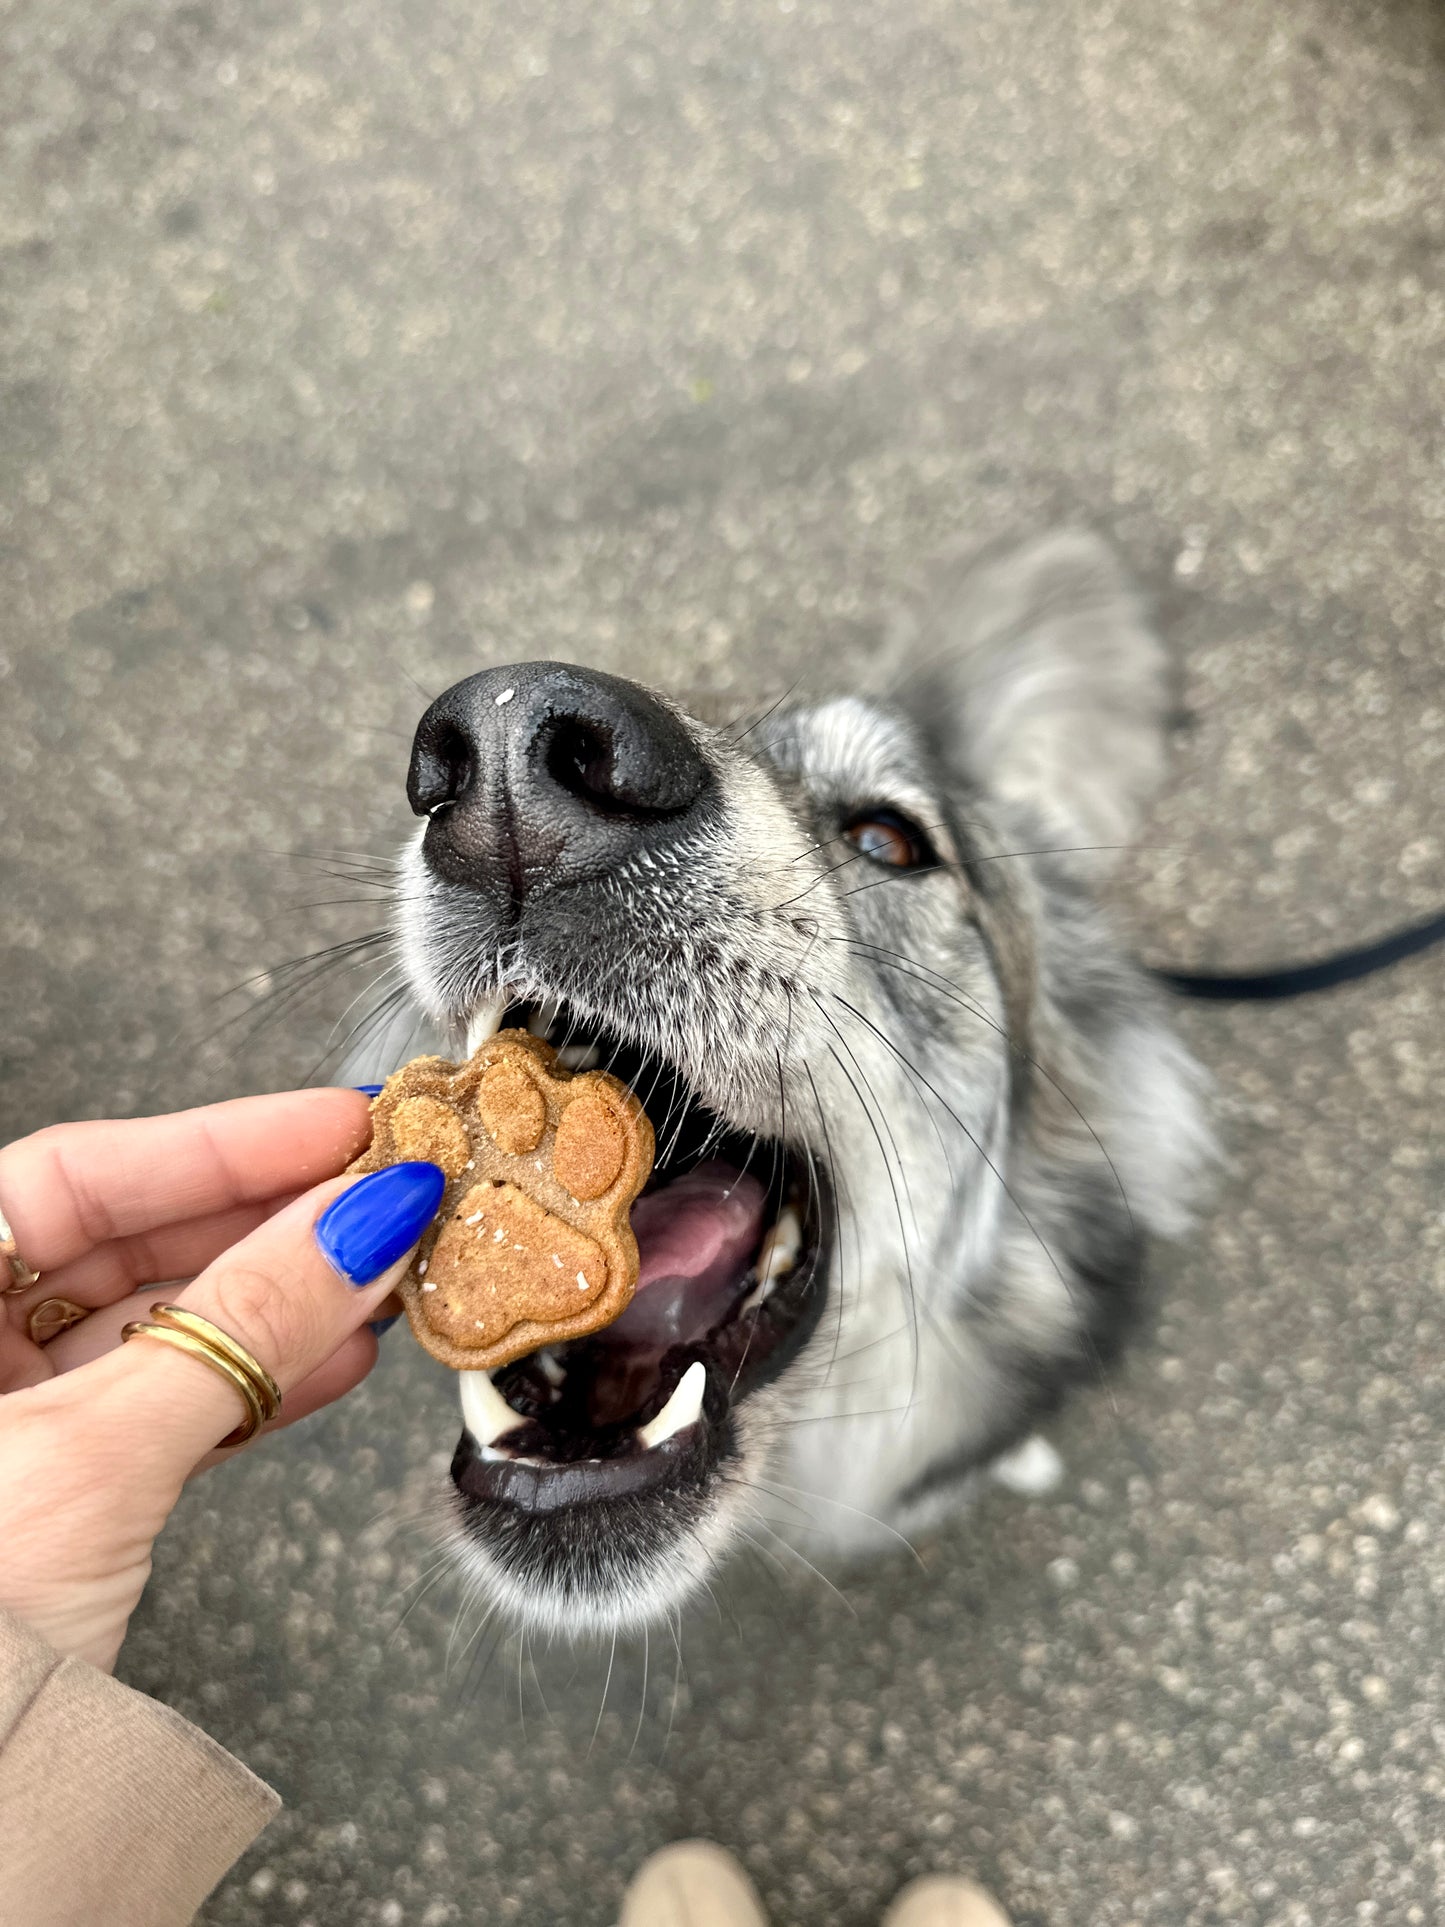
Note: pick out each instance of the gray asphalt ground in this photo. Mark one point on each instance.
(347, 348)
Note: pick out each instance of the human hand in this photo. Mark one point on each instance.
(97, 1439)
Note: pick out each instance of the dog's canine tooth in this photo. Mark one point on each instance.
(684, 1408)
(580, 1057)
(486, 1020)
(545, 1020)
(778, 1252)
(777, 1255)
(485, 1413)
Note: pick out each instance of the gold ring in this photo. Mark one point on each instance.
(52, 1316)
(21, 1276)
(187, 1331)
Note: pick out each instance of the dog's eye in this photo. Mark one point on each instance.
(889, 837)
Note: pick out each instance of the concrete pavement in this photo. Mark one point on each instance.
(346, 349)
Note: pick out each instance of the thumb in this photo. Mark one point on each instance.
(291, 1293)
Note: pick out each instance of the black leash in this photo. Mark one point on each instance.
(1299, 980)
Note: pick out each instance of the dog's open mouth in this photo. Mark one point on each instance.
(729, 1233)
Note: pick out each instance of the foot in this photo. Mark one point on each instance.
(694, 1884)
(940, 1902)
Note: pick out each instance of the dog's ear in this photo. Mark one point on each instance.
(1035, 676)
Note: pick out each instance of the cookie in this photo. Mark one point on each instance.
(533, 1244)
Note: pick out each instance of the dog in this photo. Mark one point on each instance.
(917, 1113)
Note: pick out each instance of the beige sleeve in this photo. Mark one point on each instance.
(115, 1808)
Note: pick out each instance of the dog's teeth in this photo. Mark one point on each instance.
(485, 1413)
(779, 1250)
(543, 1017)
(552, 1368)
(684, 1408)
(580, 1057)
(777, 1255)
(485, 1020)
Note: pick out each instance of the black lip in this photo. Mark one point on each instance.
(684, 1459)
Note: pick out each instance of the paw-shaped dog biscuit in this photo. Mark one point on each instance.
(532, 1244)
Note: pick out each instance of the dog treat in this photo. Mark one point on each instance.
(532, 1244)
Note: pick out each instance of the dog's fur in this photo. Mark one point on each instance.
(991, 1085)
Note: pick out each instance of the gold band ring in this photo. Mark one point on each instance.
(187, 1331)
(52, 1316)
(20, 1277)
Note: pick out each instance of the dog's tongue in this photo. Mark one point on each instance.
(695, 1237)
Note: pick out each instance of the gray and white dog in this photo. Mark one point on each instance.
(916, 1112)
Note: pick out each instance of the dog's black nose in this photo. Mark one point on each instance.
(545, 773)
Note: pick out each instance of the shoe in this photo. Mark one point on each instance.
(937, 1901)
(691, 1884)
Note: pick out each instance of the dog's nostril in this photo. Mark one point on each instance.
(580, 759)
(441, 769)
(621, 757)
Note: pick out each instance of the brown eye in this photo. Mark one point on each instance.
(889, 837)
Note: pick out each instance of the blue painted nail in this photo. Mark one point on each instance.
(381, 1326)
(368, 1090)
(370, 1226)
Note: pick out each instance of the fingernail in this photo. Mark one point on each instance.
(368, 1090)
(381, 1326)
(379, 1219)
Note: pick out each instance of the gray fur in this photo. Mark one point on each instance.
(1039, 680)
(992, 1085)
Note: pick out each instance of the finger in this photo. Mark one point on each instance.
(347, 1366)
(342, 1373)
(75, 1186)
(22, 1364)
(291, 1294)
(112, 1271)
(99, 1334)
